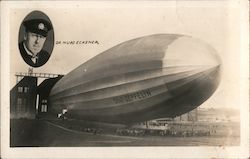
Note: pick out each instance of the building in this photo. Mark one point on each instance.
(191, 116)
(43, 95)
(23, 98)
(29, 100)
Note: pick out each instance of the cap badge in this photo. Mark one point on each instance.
(41, 26)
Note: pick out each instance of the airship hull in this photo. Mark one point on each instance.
(141, 79)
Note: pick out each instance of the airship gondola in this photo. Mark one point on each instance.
(156, 76)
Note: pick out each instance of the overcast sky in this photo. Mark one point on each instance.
(214, 24)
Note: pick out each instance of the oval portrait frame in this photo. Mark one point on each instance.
(48, 46)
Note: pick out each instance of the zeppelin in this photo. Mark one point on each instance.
(156, 76)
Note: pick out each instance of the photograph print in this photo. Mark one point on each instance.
(35, 31)
(133, 75)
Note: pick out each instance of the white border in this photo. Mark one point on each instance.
(241, 151)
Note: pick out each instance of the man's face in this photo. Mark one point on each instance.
(34, 42)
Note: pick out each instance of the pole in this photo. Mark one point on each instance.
(30, 71)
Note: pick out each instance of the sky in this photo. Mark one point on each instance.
(217, 25)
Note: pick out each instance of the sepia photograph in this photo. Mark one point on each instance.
(32, 39)
(143, 79)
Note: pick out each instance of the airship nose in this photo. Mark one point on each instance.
(202, 79)
(187, 51)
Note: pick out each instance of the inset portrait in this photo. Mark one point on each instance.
(36, 39)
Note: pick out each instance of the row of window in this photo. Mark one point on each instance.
(23, 89)
(44, 101)
(21, 105)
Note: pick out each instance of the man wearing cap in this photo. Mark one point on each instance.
(31, 47)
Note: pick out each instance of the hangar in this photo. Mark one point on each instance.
(27, 98)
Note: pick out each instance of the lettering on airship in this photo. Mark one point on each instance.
(131, 97)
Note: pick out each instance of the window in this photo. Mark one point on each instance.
(19, 104)
(26, 89)
(44, 101)
(19, 101)
(24, 106)
(20, 89)
(44, 108)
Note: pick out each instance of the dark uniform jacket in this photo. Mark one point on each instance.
(43, 57)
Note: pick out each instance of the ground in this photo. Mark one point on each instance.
(42, 133)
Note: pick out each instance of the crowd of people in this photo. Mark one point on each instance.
(173, 132)
(168, 132)
(95, 131)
